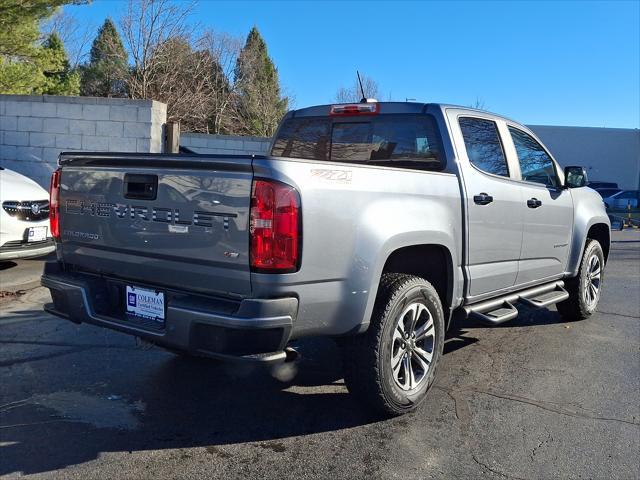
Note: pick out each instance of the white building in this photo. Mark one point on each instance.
(608, 154)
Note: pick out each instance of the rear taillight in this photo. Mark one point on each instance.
(275, 227)
(54, 205)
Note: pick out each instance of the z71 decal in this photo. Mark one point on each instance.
(332, 176)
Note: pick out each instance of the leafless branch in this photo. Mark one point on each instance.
(354, 94)
(75, 35)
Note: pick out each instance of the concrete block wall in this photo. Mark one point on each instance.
(225, 144)
(35, 129)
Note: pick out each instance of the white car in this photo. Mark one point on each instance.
(24, 217)
(623, 199)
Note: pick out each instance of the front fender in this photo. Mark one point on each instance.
(589, 210)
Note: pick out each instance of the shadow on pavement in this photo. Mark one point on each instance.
(179, 403)
(459, 334)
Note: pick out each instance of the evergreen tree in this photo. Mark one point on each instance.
(105, 74)
(260, 104)
(59, 78)
(22, 58)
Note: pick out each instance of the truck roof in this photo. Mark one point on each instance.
(390, 108)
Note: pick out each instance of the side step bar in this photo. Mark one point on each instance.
(501, 309)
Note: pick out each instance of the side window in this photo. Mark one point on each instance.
(535, 164)
(484, 149)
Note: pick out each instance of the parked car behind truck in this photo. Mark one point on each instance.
(623, 199)
(372, 223)
(24, 217)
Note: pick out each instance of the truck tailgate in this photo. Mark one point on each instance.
(179, 222)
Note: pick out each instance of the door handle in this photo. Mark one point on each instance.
(482, 199)
(534, 203)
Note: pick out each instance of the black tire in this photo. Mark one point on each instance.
(576, 307)
(368, 356)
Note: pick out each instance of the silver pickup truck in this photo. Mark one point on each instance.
(372, 223)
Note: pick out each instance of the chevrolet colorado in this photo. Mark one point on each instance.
(373, 223)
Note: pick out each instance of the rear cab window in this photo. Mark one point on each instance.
(390, 140)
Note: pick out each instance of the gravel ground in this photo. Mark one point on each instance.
(534, 398)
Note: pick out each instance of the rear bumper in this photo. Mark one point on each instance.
(252, 330)
(19, 249)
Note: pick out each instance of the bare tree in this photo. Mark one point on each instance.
(206, 79)
(75, 35)
(170, 65)
(178, 76)
(192, 77)
(223, 50)
(354, 94)
(146, 26)
(478, 104)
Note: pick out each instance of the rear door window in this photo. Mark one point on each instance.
(405, 141)
(482, 142)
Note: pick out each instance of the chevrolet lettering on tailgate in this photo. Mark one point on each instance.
(156, 214)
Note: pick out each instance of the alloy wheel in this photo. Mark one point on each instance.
(413, 346)
(592, 287)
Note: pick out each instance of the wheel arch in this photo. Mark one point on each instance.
(433, 262)
(602, 233)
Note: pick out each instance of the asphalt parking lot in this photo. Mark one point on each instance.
(535, 398)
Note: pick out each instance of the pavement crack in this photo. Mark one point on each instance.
(64, 344)
(9, 295)
(541, 443)
(493, 470)
(71, 348)
(11, 363)
(619, 314)
(460, 405)
(11, 405)
(552, 408)
(31, 424)
(463, 412)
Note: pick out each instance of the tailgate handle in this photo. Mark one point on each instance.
(140, 186)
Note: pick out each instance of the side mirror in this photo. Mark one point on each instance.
(575, 177)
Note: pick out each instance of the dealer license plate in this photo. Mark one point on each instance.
(147, 304)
